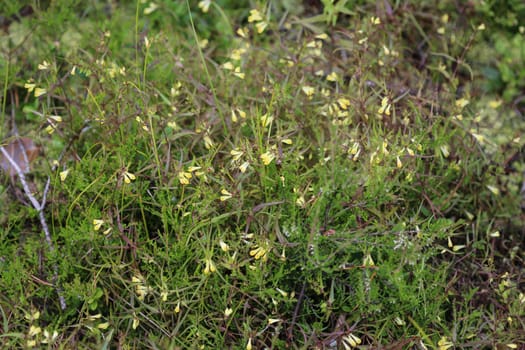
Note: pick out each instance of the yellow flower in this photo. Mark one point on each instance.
(480, 138)
(143, 124)
(49, 337)
(344, 103)
(444, 343)
(44, 65)
(308, 90)
(385, 107)
(234, 116)
(350, 341)
(50, 129)
(368, 261)
(399, 164)
(54, 118)
(224, 246)
(34, 330)
(243, 32)
(40, 92)
(445, 151)
(495, 191)
(94, 317)
(32, 317)
(225, 195)
(208, 143)
(184, 177)
(227, 312)
(273, 320)
(176, 89)
(97, 223)
(103, 325)
(204, 5)
(356, 156)
(151, 8)
(332, 76)
(462, 102)
(255, 16)
(457, 248)
(266, 120)
(128, 177)
(192, 169)
(249, 344)
(202, 175)
(495, 103)
(259, 252)
(228, 66)
(287, 141)
(375, 20)
(142, 291)
(210, 267)
(288, 61)
(384, 148)
(236, 54)
(136, 322)
(237, 72)
(243, 167)
(355, 148)
(63, 175)
(267, 157)
(261, 26)
(242, 113)
(29, 86)
(282, 292)
(313, 44)
(398, 321)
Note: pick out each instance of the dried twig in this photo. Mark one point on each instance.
(40, 209)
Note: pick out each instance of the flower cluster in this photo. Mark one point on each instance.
(141, 288)
(36, 335)
(257, 18)
(186, 175)
(350, 341)
(97, 225)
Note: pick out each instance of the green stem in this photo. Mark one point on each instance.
(201, 55)
(4, 98)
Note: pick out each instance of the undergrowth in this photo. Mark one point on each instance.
(262, 175)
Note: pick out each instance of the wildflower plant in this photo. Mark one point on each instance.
(225, 176)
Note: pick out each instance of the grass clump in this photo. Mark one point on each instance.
(247, 176)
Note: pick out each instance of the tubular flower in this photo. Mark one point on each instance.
(210, 267)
